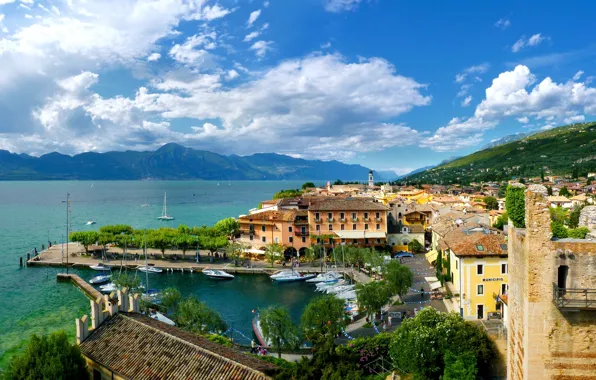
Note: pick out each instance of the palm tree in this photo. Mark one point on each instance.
(272, 252)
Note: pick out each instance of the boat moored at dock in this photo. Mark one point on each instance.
(150, 269)
(289, 276)
(100, 267)
(101, 279)
(217, 274)
(108, 288)
(325, 277)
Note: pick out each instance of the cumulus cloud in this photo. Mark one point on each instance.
(524, 42)
(517, 94)
(503, 23)
(3, 2)
(253, 17)
(326, 45)
(193, 51)
(261, 48)
(337, 6)
(154, 57)
(251, 36)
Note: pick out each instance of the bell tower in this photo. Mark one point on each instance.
(371, 180)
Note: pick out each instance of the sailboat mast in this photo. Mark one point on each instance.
(165, 206)
(146, 267)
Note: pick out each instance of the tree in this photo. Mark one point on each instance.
(105, 238)
(212, 243)
(48, 357)
(309, 254)
(123, 241)
(415, 246)
(502, 190)
(125, 280)
(558, 229)
(460, 367)
(549, 191)
(291, 193)
(278, 328)
(502, 220)
(573, 220)
(307, 185)
(160, 239)
(338, 182)
(116, 229)
(420, 345)
(228, 227)
(170, 298)
(564, 192)
(575, 172)
(85, 238)
(273, 252)
(234, 252)
(195, 316)
(558, 214)
(398, 277)
(184, 242)
(542, 175)
(372, 296)
(515, 204)
(323, 315)
(578, 233)
(491, 203)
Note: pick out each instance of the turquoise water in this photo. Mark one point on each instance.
(32, 212)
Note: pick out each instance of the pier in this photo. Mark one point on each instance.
(85, 287)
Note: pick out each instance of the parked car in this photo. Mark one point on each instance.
(402, 254)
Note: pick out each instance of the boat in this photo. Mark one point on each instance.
(108, 288)
(256, 327)
(149, 269)
(164, 211)
(289, 276)
(218, 274)
(339, 289)
(162, 318)
(326, 277)
(322, 286)
(91, 222)
(100, 267)
(101, 279)
(145, 205)
(349, 295)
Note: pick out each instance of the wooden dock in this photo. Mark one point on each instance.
(85, 287)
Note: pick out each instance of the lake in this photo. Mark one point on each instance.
(33, 213)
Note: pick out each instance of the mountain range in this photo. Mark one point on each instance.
(174, 162)
(566, 150)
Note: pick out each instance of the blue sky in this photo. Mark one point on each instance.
(393, 85)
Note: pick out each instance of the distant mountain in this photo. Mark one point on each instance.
(173, 162)
(559, 151)
(506, 139)
(385, 175)
(448, 160)
(417, 171)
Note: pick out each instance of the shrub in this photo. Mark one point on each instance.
(515, 202)
(578, 233)
(558, 229)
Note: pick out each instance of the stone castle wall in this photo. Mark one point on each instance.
(543, 342)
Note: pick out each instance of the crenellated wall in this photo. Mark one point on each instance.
(543, 341)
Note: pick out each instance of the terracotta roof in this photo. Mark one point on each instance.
(347, 205)
(558, 198)
(424, 208)
(272, 215)
(138, 347)
(468, 242)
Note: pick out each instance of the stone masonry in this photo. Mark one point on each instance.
(545, 342)
(587, 218)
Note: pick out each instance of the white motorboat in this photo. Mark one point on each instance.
(164, 211)
(91, 222)
(218, 274)
(349, 295)
(100, 279)
(162, 318)
(323, 286)
(256, 327)
(100, 267)
(289, 276)
(150, 269)
(108, 288)
(326, 277)
(339, 289)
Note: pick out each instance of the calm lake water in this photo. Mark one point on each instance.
(32, 212)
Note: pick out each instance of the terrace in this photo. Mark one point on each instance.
(574, 299)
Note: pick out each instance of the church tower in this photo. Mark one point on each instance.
(371, 180)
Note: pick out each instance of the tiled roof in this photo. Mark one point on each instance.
(347, 205)
(557, 198)
(464, 242)
(273, 215)
(137, 347)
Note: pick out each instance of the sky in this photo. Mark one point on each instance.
(389, 84)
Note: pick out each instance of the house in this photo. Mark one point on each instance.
(559, 201)
(580, 200)
(124, 344)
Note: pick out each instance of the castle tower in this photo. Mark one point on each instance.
(551, 332)
(371, 180)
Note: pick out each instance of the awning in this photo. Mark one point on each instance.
(255, 251)
(435, 285)
(431, 279)
(360, 234)
(431, 256)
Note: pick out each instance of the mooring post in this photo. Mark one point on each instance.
(28, 258)
(21, 261)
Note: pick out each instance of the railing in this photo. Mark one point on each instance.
(302, 233)
(378, 219)
(318, 220)
(569, 298)
(247, 231)
(342, 219)
(300, 222)
(366, 219)
(354, 220)
(330, 220)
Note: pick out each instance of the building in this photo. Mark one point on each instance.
(477, 264)
(124, 344)
(350, 221)
(552, 299)
(371, 179)
(560, 201)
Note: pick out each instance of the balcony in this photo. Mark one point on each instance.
(354, 220)
(378, 219)
(319, 220)
(301, 222)
(247, 231)
(574, 299)
(330, 220)
(301, 233)
(343, 220)
(366, 219)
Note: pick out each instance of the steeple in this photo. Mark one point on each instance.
(371, 180)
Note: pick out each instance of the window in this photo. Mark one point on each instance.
(480, 290)
(455, 264)
(365, 240)
(480, 269)
(276, 240)
(353, 215)
(378, 215)
(366, 226)
(378, 226)
(342, 215)
(291, 239)
(264, 239)
(303, 239)
(330, 215)
(263, 228)
(378, 241)
(354, 227)
(366, 215)
(331, 227)
(250, 237)
(290, 229)
(317, 216)
(276, 229)
(343, 240)
(96, 375)
(318, 227)
(251, 227)
(480, 248)
(504, 268)
(504, 288)
(341, 227)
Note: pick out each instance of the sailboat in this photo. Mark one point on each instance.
(164, 212)
(151, 297)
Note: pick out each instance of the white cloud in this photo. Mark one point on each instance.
(193, 51)
(24, 7)
(578, 75)
(466, 102)
(459, 133)
(253, 17)
(232, 74)
(341, 5)
(523, 120)
(476, 69)
(214, 12)
(575, 119)
(503, 23)
(251, 36)
(27, 1)
(524, 42)
(3, 2)
(154, 57)
(28, 16)
(326, 45)
(266, 4)
(261, 48)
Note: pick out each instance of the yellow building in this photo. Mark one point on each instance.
(478, 269)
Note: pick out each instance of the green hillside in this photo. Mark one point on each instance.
(564, 150)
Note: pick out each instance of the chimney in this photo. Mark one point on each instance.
(123, 299)
(134, 303)
(82, 329)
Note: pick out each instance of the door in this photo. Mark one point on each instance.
(480, 311)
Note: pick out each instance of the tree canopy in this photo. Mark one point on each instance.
(372, 296)
(398, 278)
(291, 193)
(515, 202)
(278, 328)
(48, 357)
(323, 315)
(195, 316)
(491, 203)
(307, 185)
(86, 238)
